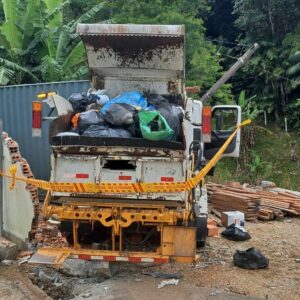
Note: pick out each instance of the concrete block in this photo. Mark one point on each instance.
(74, 267)
(103, 269)
(85, 269)
(8, 250)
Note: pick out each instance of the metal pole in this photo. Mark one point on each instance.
(285, 125)
(1, 179)
(265, 115)
(233, 69)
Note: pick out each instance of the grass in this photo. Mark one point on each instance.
(273, 147)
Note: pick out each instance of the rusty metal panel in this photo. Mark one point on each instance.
(130, 29)
(15, 110)
(179, 241)
(147, 58)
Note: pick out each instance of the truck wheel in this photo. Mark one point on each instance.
(202, 232)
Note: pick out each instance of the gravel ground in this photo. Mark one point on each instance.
(279, 241)
(213, 277)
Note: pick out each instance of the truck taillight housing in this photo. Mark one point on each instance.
(206, 124)
(36, 119)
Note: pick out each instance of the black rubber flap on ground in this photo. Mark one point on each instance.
(250, 259)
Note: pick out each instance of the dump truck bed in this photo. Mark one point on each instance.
(124, 57)
(140, 143)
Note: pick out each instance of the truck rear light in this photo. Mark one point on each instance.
(82, 175)
(167, 179)
(36, 119)
(124, 177)
(206, 124)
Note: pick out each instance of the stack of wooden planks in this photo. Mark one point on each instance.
(281, 203)
(226, 198)
(254, 203)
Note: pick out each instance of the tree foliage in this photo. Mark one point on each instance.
(202, 59)
(44, 43)
(38, 43)
(275, 25)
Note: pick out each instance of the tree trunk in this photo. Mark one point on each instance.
(271, 18)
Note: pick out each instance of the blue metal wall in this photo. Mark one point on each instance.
(15, 111)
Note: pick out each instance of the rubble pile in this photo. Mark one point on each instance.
(255, 203)
(47, 234)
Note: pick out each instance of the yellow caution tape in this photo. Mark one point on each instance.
(127, 188)
(12, 172)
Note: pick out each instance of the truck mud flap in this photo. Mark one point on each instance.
(202, 231)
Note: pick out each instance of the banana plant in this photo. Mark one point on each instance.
(18, 25)
(37, 45)
(63, 54)
(294, 70)
(249, 107)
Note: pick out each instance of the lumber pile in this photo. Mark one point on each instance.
(254, 203)
(285, 202)
(224, 198)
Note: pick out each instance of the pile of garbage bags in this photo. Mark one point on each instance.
(131, 114)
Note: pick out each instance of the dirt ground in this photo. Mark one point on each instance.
(213, 277)
(279, 241)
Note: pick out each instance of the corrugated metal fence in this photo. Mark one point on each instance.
(15, 111)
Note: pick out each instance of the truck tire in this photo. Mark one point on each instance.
(202, 232)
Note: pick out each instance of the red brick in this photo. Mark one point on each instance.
(211, 222)
(212, 230)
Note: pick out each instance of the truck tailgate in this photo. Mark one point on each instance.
(126, 169)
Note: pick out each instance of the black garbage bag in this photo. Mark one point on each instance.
(174, 117)
(93, 106)
(134, 128)
(236, 233)
(175, 99)
(250, 259)
(106, 131)
(80, 101)
(170, 111)
(119, 114)
(156, 100)
(88, 118)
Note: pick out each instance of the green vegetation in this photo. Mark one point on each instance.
(38, 43)
(271, 160)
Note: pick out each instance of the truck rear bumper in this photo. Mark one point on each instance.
(178, 246)
(56, 256)
(120, 232)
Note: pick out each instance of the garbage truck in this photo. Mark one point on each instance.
(153, 225)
